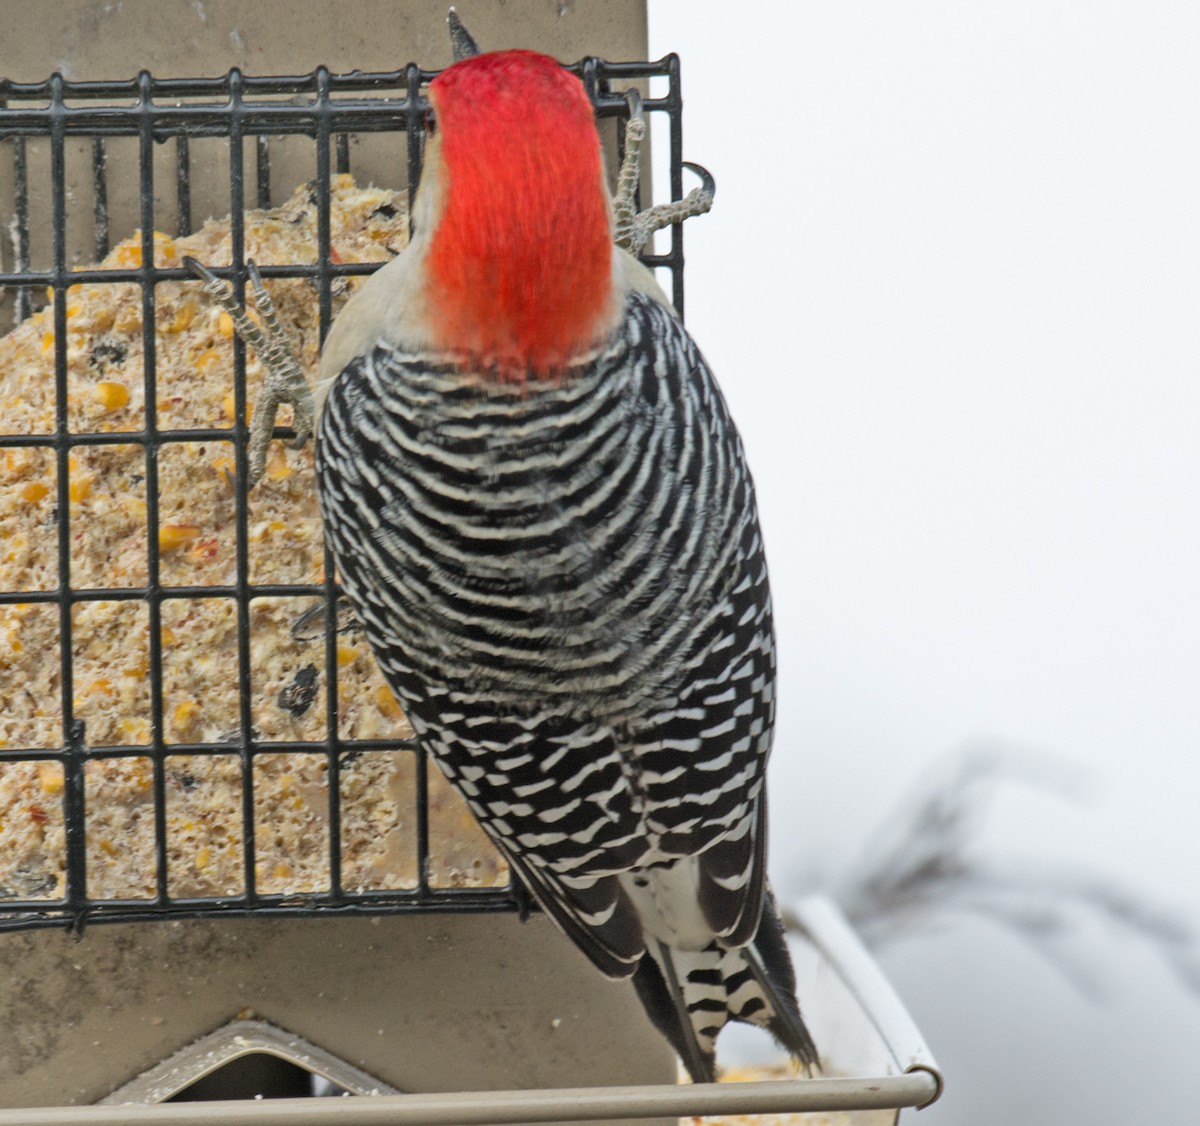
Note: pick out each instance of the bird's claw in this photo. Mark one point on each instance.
(633, 228)
(283, 381)
(310, 626)
(462, 44)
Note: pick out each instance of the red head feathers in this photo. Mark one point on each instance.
(520, 262)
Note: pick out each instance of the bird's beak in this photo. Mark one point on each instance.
(461, 42)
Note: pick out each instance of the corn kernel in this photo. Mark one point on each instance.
(224, 325)
(187, 713)
(203, 858)
(183, 318)
(172, 536)
(34, 491)
(229, 406)
(137, 669)
(108, 848)
(47, 341)
(164, 248)
(258, 532)
(129, 254)
(20, 461)
(18, 548)
(387, 703)
(135, 506)
(281, 871)
(224, 466)
(51, 777)
(79, 487)
(101, 685)
(346, 655)
(167, 635)
(208, 358)
(278, 468)
(135, 730)
(111, 396)
(129, 319)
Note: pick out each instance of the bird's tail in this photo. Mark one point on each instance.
(690, 995)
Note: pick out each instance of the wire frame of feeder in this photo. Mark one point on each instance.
(144, 145)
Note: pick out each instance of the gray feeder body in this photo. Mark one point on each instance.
(419, 1003)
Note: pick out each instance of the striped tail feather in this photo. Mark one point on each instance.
(690, 995)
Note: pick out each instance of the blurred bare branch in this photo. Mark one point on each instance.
(924, 866)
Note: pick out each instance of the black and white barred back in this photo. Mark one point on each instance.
(564, 583)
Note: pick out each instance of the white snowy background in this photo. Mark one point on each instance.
(951, 286)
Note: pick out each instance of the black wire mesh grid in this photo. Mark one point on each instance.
(243, 113)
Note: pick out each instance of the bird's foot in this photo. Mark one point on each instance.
(633, 228)
(283, 381)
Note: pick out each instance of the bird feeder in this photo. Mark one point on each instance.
(225, 867)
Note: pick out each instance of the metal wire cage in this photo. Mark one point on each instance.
(92, 158)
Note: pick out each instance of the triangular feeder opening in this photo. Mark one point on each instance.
(259, 1075)
(247, 1059)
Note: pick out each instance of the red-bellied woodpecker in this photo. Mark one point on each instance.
(541, 513)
